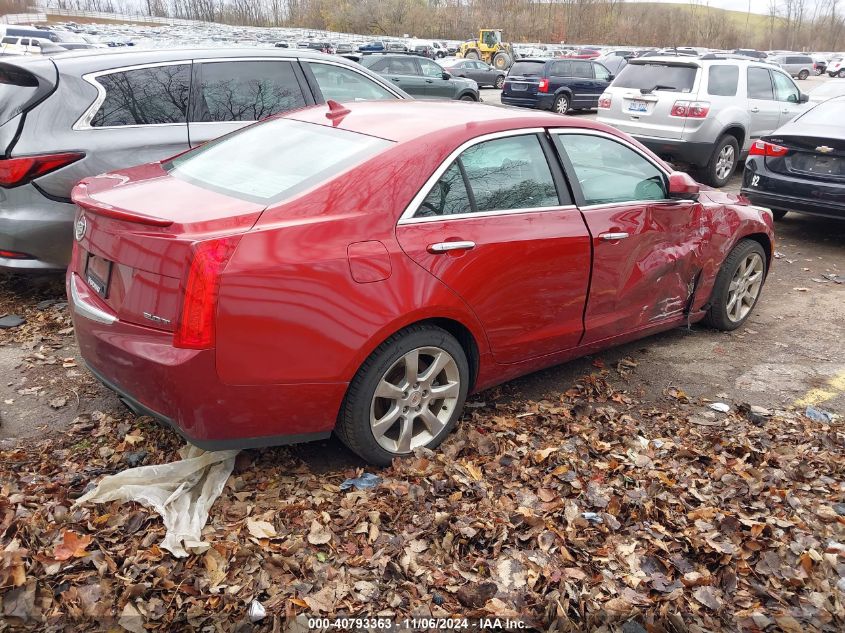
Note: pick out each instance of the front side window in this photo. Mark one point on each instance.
(274, 160)
(144, 96)
(609, 172)
(430, 69)
(602, 73)
(502, 174)
(759, 84)
(785, 90)
(722, 80)
(343, 84)
(246, 91)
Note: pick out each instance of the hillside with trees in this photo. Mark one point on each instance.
(790, 24)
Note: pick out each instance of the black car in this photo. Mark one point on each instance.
(801, 166)
(559, 85)
(481, 72)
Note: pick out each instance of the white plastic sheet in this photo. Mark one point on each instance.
(181, 492)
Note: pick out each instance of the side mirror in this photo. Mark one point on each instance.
(446, 75)
(611, 77)
(804, 98)
(683, 186)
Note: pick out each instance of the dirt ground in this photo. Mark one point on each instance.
(789, 354)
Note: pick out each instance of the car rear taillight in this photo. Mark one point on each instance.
(15, 255)
(23, 169)
(762, 148)
(690, 109)
(605, 101)
(544, 85)
(197, 321)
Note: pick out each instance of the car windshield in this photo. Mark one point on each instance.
(830, 114)
(275, 159)
(527, 69)
(655, 75)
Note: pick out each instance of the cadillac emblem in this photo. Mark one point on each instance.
(79, 228)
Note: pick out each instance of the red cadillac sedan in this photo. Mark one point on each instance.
(362, 268)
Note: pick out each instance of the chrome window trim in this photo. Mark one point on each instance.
(407, 216)
(483, 214)
(84, 122)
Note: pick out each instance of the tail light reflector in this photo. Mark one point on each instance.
(605, 101)
(762, 148)
(196, 329)
(23, 169)
(690, 109)
(15, 255)
(544, 85)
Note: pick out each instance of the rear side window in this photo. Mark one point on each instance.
(274, 160)
(144, 96)
(722, 80)
(662, 76)
(17, 89)
(246, 91)
(527, 69)
(345, 84)
(560, 69)
(582, 69)
(759, 84)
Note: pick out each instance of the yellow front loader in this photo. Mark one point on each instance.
(490, 48)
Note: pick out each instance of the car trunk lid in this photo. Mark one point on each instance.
(135, 246)
(810, 153)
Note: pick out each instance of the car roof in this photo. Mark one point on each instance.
(403, 121)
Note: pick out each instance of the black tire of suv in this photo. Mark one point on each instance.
(467, 97)
(561, 104)
(778, 214)
(353, 424)
(803, 75)
(500, 82)
(709, 175)
(717, 315)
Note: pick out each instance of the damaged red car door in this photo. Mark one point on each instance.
(647, 247)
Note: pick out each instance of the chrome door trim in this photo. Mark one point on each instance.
(413, 206)
(483, 214)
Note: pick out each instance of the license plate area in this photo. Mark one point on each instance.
(98, 274)
(519, 87)
(636, 105)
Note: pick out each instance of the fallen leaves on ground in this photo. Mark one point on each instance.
(587, 510)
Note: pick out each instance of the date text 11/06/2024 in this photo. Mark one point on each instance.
(417, 624)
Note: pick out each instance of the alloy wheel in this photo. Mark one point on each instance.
(562, 105)
(745, 287)
(500, 81)
(725, 162)
(415, 399)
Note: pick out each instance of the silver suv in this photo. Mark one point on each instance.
(800, 66)
(80, 114)
(704, 112)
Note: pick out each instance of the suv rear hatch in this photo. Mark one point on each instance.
(643, 93)
(523, 79)
(23, 84)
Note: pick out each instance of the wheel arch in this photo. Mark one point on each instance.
(738, 132)
(763, 240)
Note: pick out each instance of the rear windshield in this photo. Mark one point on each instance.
(273, 160)
(661, 76)
(17, 89)
(527, 69)
(830, 114)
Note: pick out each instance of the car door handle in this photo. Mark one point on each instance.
(785, 111)
(755, 109)
(445, 247)
(429, 81)
(612, 237)
(395, 78)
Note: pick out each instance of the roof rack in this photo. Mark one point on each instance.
(707, 56)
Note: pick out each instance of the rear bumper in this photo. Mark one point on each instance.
(534, 101)
(789, 193)
(697, 154)
(181, 388)
(32, 223)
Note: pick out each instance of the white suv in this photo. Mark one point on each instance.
(703, 111)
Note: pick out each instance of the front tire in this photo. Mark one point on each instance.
(467, 98)
(502, 61)
(408, 394)
(722, 162)
(472, 55)
(803, 75)
(840, 74)
(500, 82)
(561, 104)
(778, 214)
(738, 286)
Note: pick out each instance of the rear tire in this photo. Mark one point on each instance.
(840, 74)
(401, 418)
(500, 82)
(738, 286)
(778, 214)
(502, 61)
(803, 75)
(561, 104)
(722, 162)
(472, 55)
